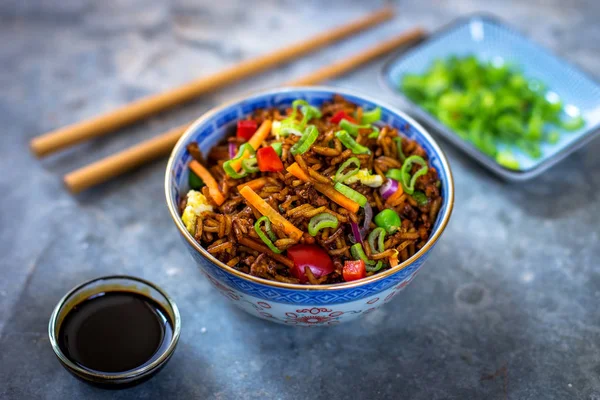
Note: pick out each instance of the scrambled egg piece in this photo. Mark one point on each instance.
(196, 204)
(365, 178)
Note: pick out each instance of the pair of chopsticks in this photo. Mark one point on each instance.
(160, 146)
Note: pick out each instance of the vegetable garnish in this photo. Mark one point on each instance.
(341, 176)
(352, 129)
(250, 165)
(246, 128)
(194, 182)
(322, 221)
(389, 220)
(277, 146)
(378, 234)
(255, 141)
(255, 184)
(351, 144)
(209, 181)
(408, 182)
(267, 240)
(401, 155)
(359, 254)
(368, 117)
(327, 190)
(340, 115)
(490, 104)
(245, 148)
(274, 217)
(354, 270)
(389, 187)
(312, 257)
(268, 160)
(306, 140)
(351, 194)
(363, 176)
(420, 198)
(393, 259)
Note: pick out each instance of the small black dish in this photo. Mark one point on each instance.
(114, 331)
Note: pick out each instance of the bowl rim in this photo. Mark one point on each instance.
(119, 377)
(447, 211)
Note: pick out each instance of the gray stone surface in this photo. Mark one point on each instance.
(512, 288)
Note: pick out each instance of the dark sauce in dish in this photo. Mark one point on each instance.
(115, 332)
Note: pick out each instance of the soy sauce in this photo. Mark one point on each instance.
(115, 332)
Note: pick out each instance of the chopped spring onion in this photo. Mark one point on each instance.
(366, 178)
(250, 165)
(420, 198)
(340, 176)
(408, 182)
(359, 254)
(375, 268)
(351, 128)
(229, 168)
(287, 127)
(306, 140)
(351, 144)
(395, 173)
(194, 181)
(388, 188)
(368, 117)
(375, 133)
(271, 238)
(378, 234)
(351, 194)
(322, 221)
(277, 147)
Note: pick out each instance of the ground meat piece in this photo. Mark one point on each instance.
(195, 152)
(310, 194)
(408, 212)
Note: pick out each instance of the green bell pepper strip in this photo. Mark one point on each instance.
(227, 164)
(351, 193)
(271, 238)
(340, 176)
(401, 155)
(306, 140)
(351, 128)
(395, 174)
(408, 182)
(375, 268)
(322, 221)
(368, 117)
(378, 234)
(358, 253)
(351, 144)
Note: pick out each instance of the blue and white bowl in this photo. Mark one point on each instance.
(295, 304)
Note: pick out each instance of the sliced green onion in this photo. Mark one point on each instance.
(351, 144)
(366, 178)
(351, 128)
(227, 164)
(194, 181)
(408, 183)
(306, 140)
(250, 165)
(420, 198)
(395, 174)
(351, 193)
(296, 104)
(277, 147)
(290, 126)
(267, 240)
(378, 234)
(368, 117)
(375, 268)
(375, 133)
(401, 155)
(322, 221)
(358, 253)
(340, 176)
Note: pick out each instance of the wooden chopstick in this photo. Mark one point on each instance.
(147, 106)
(160, 146)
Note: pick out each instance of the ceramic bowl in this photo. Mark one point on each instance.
(296, 304)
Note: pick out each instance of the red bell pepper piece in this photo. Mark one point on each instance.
(354, 270)
(268, 160)
(246, 128)
(309, 256)
(340, 115)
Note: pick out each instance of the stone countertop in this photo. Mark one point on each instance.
(506, 307)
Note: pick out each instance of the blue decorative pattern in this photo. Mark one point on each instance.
(216, 125)
(488, 40)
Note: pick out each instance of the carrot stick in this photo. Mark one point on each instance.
(254, 184)
(255, 141)
(326, 189)
(265, 209)
(209, 181)
(394, 259)
(264, 249)
(295, 170)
